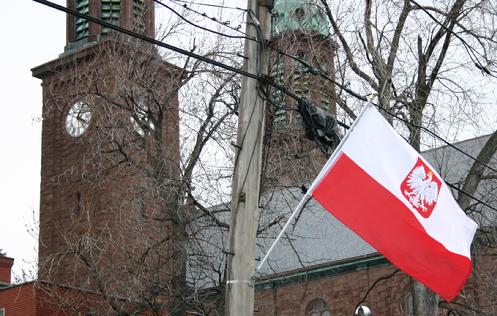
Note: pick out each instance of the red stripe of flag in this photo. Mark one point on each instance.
(388, 225)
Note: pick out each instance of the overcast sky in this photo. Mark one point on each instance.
(32, 34)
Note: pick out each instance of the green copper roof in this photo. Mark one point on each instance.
(299, 15)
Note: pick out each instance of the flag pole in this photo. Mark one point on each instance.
(307, 196)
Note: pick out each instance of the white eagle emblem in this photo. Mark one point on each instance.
(421, 189)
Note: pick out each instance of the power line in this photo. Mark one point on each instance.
(199, 26)
(203, 14)
(438, 137)
(210, 5)
(165, 45)
(245, 73)
(170, 47)
(319, 72)
(471, 196)
(316, 71)
(175, 49)
(325, 76)
(149, 39)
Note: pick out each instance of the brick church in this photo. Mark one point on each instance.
(113, 238)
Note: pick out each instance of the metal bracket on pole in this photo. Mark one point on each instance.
(249, 282)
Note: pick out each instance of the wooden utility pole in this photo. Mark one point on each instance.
(246, 179)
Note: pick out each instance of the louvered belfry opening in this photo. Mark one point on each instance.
(135, 15)
(82, 25)
(110, 12)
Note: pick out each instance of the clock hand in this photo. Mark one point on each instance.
(81, 116)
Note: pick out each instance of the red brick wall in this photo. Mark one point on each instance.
(38, 299)
(90, 215)
(341, 292)
(19, 300)
(5, 269)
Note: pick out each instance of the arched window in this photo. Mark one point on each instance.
(299, 13)
(317, 307)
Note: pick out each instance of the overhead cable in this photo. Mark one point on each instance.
(199, 26)
(225, 24)
(245, 73)
(316, 71)
(210, 5)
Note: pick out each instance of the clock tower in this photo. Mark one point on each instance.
(110, 156)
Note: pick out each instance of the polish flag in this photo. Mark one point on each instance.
(381, 188)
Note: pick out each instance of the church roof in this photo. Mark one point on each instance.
(299, 15)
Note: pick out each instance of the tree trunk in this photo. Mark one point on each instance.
(475, 174)
(425, 302)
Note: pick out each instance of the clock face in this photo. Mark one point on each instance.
(78, 118)
(142, 123)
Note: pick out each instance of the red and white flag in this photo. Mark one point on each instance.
(381, 188)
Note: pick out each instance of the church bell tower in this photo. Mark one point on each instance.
(110, 154)
(301, 30)
(135, 15)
